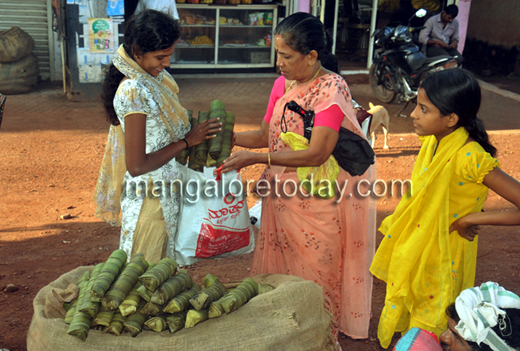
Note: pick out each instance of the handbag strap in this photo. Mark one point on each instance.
(306, 115)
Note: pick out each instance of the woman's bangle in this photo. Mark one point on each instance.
(187, 145)
(268, 160)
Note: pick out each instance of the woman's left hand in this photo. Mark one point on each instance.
(239, 160)
(468, 232)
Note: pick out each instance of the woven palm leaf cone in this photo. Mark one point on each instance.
(157, 323)
(182, 158)
(172, 287)
(103, 317)
(176, 321)
(162, 271)
(217, 109)
(134, 322)
(152, 309)
(80, 323)
(124, 282)
(194, 317)
(89, 306)
(108, 274)
(215, 310)
(81, 283)
(116, 324)
(205, 297)
(227, 138)
(240, 295)
(201, 150)
(132, 300)
(181, 302)
(192, 164)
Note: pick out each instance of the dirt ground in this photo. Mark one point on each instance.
(51, 149)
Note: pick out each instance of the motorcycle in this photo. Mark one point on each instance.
(399, 65)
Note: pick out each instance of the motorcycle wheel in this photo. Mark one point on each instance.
(381, 85)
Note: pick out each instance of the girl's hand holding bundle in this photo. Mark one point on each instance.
(203, 131)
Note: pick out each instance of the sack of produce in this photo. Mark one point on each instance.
(289, 317)
(19, 77)
(214, 218)
(15, 44)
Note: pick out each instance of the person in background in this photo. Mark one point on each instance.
(314, 238)
(149, 127)
(429, 251)
(168, 7)
(485, 318)
(441, 35)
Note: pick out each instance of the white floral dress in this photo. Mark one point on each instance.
(135, 96)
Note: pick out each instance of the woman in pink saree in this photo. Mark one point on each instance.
(328, 241)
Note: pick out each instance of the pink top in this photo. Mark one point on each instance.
(331, 117)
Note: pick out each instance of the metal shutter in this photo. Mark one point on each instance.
(34, 17)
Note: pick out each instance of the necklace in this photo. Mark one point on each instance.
(294, 81)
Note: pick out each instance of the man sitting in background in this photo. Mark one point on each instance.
(441, 35)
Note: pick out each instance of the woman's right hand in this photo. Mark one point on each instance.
(205, 130)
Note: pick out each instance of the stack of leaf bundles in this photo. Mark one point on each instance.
(99, 282)
(211, 152)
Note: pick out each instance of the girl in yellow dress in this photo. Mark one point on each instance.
(429, 252)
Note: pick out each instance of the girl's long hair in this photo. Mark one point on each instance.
(146, 31)
(303, 33)
(457, 91)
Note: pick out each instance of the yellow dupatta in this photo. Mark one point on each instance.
(164, 89)
(414, 257)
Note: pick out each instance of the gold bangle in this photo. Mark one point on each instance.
(268, 160)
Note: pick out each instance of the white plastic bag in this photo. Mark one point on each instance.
(214, 219)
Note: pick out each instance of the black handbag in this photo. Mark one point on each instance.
(352, 152)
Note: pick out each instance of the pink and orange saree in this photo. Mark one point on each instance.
(328, 241)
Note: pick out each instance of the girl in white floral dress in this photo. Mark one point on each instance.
(148, 129)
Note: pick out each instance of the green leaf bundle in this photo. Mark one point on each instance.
(153, 278)
(181, 302)
(89, 306)
(172, 287)
(80, 324)
(217, 109)
(204, 298)
(227, 138)
(81, 283)
(125, 282)
(108, 274)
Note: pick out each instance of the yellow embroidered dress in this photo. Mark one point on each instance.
(426, 267)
